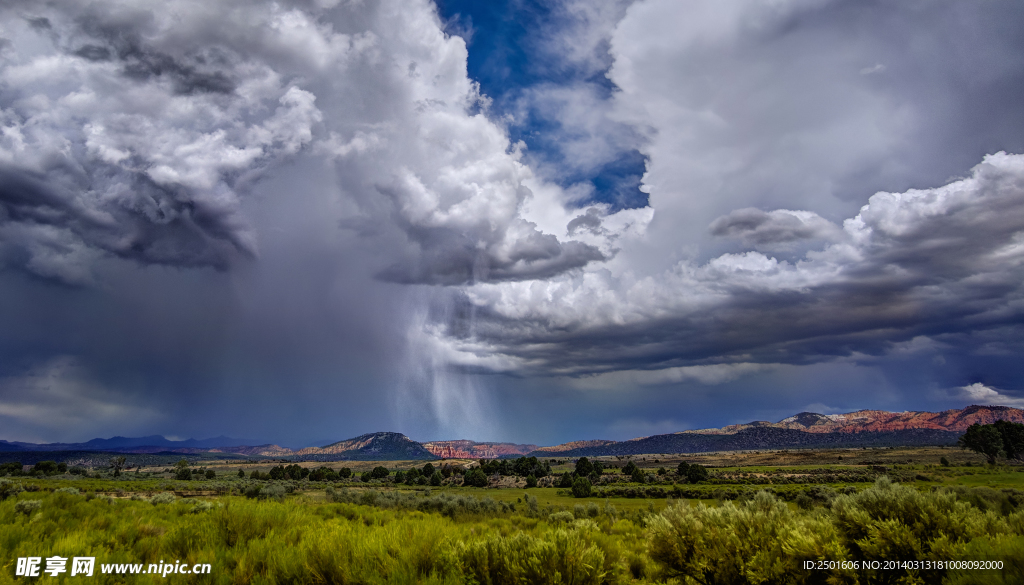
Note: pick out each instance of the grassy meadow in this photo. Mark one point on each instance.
(750, 521)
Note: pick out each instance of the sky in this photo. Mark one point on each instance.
(300, 221)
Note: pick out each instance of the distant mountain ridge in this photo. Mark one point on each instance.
(861, 428)
(882, 421)
(122, 443)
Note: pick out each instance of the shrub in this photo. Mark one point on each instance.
(162, 498)
(531, 481)
(561, 517)
(561, 556)
(273, 492)
(67, 490)
(8, 488)
(27, 507)
(760, 541)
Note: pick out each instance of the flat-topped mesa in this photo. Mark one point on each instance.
(574, 445)
(466, 449)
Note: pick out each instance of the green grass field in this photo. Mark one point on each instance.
(729, 531)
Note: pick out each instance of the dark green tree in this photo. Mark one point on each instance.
(380, 472)
(637, 475)
(241, 473)
(984, 439)
(476, 477)
(584, 467)
(581, 487)
(682, 469)
(344, 473)
(210, 474)
(435, 478)
(45, 468)
(428, 470)
(531, 481)
(629, 468)
(412, 475)
(696, 473)
(565, 481)
(117, 464)
(1013, 438)
(182, 471)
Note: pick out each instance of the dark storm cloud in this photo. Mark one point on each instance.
(144, 161)
(451, 258)
(921, 263)
(757, 227)
(192, 72)
(150, 224)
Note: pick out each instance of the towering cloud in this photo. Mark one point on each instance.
(135, 130)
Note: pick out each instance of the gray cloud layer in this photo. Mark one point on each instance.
(923, 262)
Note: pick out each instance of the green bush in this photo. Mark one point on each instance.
(581, 487)
(563, 556)
(760, 541)
(162, 498)
(9, 488)
(27, 507)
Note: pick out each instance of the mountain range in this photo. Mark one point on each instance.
(863, 428)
